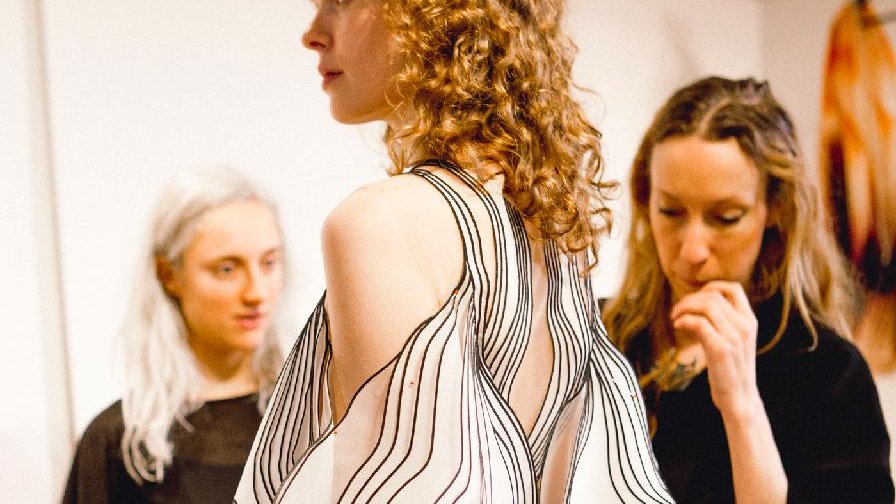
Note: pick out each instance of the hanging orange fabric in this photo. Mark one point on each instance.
(858, 143)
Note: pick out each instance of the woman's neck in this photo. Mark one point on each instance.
(226, 373)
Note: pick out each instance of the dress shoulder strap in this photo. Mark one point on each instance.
(463, 215)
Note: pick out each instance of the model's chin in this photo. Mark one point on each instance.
(681, 289)
(346, 117)
(249, 340)
(349, 120)
(357, 111)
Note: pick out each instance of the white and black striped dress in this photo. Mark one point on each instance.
(435, 424)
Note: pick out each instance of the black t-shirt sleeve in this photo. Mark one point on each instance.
(97, 475)
(87, 481)
(851, 459)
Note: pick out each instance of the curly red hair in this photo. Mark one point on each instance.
(490, 83)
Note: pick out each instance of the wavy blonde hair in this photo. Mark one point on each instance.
(490, 81)
(798, 258)
(161, 374)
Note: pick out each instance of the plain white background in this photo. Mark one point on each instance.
(102, 101)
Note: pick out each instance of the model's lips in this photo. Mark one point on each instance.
(329, 74)
(694, 284)
(251, 320)
(698, 284)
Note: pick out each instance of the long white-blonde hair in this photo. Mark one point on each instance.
(162, 382)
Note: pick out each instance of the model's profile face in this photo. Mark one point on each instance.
(707, 212)
(230, 278)
(357, 59)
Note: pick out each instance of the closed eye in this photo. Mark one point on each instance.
(729, 219)
(670, 212)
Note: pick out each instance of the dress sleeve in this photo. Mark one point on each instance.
(850, 462)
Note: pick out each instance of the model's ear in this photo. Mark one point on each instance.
(167, 276)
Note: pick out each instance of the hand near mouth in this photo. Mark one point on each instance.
(720, 318)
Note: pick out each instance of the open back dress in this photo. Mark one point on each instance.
(435, 424)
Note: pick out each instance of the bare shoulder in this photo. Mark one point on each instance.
(385, 273)
(392, 242)
(359, 221)
(388, 220)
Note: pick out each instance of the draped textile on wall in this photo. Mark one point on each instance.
(858, 179)
(858, 144)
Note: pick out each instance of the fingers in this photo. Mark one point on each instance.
(720, 319)
(717, 314)
(733, 292)
(699, 327)
(712, 292)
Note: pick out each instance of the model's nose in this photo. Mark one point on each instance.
(317, 37)
(695, 244)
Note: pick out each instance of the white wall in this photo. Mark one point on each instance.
(139, 90)
(35, 430)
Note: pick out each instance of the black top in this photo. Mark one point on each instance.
(824, 413)
(206, 466)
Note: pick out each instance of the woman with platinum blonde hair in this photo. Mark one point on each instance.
(200, 350)
(457, 354)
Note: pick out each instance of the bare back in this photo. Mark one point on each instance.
(425, 264)
(440, 250)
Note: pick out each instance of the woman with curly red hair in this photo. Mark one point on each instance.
(458, 354)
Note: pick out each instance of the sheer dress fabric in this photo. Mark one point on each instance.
(435, 424)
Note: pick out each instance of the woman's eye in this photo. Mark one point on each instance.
(670, 212)
(224, 270)
(729, 219)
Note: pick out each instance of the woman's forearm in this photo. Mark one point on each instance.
(757, 472)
